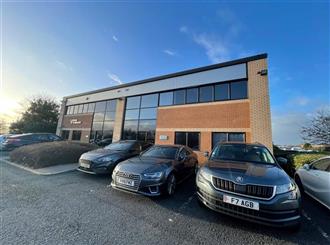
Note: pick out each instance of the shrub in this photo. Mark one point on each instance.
(299, 160)
(50, 153)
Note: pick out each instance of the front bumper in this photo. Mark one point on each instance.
(97, 169)
(151, 188)
(279, 211)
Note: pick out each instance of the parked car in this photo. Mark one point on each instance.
(156, 171)
(19, 140)
(102, 161)
(3, 137)
(314, 179)
(246, 181)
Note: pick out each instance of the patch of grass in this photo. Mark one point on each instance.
(49, 154)
(298, 160)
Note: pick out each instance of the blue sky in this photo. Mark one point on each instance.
(62, 48)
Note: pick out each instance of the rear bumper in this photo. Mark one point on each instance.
(278, 212)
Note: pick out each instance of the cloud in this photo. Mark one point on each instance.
(183, 29)
(222, 46)
(300, 101)
(63, 66)
(169, 52)
(115, 38)
(114, 78)
(216, 49)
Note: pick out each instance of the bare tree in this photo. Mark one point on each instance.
(318, 129)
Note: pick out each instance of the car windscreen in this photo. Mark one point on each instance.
(119, 146)
(161, 152)
(242, 153)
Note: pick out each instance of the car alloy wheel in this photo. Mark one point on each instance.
(171, 184)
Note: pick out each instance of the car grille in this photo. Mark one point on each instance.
(257, 191)
(135, 177)
(261, 214)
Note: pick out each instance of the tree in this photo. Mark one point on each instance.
(317, 131)
(307, 146)
(41, 116)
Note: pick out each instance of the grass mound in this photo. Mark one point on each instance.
(49, 154)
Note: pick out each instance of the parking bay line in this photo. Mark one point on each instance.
(323, 233)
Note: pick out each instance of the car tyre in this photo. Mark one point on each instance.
(298, 182)
(170, 185)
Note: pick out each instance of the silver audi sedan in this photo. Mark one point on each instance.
(314, 179)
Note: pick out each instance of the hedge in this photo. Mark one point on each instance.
(298, 160)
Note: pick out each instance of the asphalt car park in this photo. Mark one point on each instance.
(75, 208)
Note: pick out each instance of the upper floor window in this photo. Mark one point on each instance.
(150, 100)
(179, 97)
(206, 93)
(192, 95)
(166, 98)
(238, 90)
(221, 91)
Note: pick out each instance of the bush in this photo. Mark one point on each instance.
(50, 153)
(299, 160)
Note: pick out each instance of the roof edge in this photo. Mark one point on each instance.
(176, 74)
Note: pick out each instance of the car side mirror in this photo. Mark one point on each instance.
(282, 160)
(206, 154)
(306, 166)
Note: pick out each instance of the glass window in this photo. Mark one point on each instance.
(149, 113)
(100, 106)
(65, 134)
(98, 117)
(166, 99)
(108, 125)
(218, 138)
(75, 109)
(130, 130)
(221, 91)
(76, 134)
(236, 137)
(238, 90)
(206, 93)
(180, 138)
(80, 108)
(167, 152)
(147, 130)
(179, 97)
(150, 100)
(85, 109)
(322, 165)
(190, 139)
(110, 115)
(192, 95)
(132, 114)
(97, 125)
(193, 140)
(111, 105)
(107, 134)
(133, 102)
(91, 107)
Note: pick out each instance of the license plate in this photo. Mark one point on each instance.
(125, 181)
(84, 165)
(241, 202)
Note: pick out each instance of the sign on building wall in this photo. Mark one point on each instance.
(163, 137)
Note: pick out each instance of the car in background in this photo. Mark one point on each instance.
(156, 171)
(18, 140)
(245, 181)
(314, 179)
(103, 161)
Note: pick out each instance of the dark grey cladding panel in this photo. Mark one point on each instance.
(222, 74)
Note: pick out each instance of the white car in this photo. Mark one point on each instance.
(314, 179)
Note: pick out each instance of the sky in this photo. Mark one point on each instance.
(61, 48)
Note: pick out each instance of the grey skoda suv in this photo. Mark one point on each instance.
(247, 182)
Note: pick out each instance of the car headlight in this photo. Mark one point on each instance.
(204, 174)
(104, 159)
(291, 187)
(153, 176)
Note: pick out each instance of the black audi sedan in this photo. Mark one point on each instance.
(103, 161)
(156, 171)
(246, 181)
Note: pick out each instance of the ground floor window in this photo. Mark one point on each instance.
(190, 139)
(65, 134)
(76, 134)
(227, 137)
